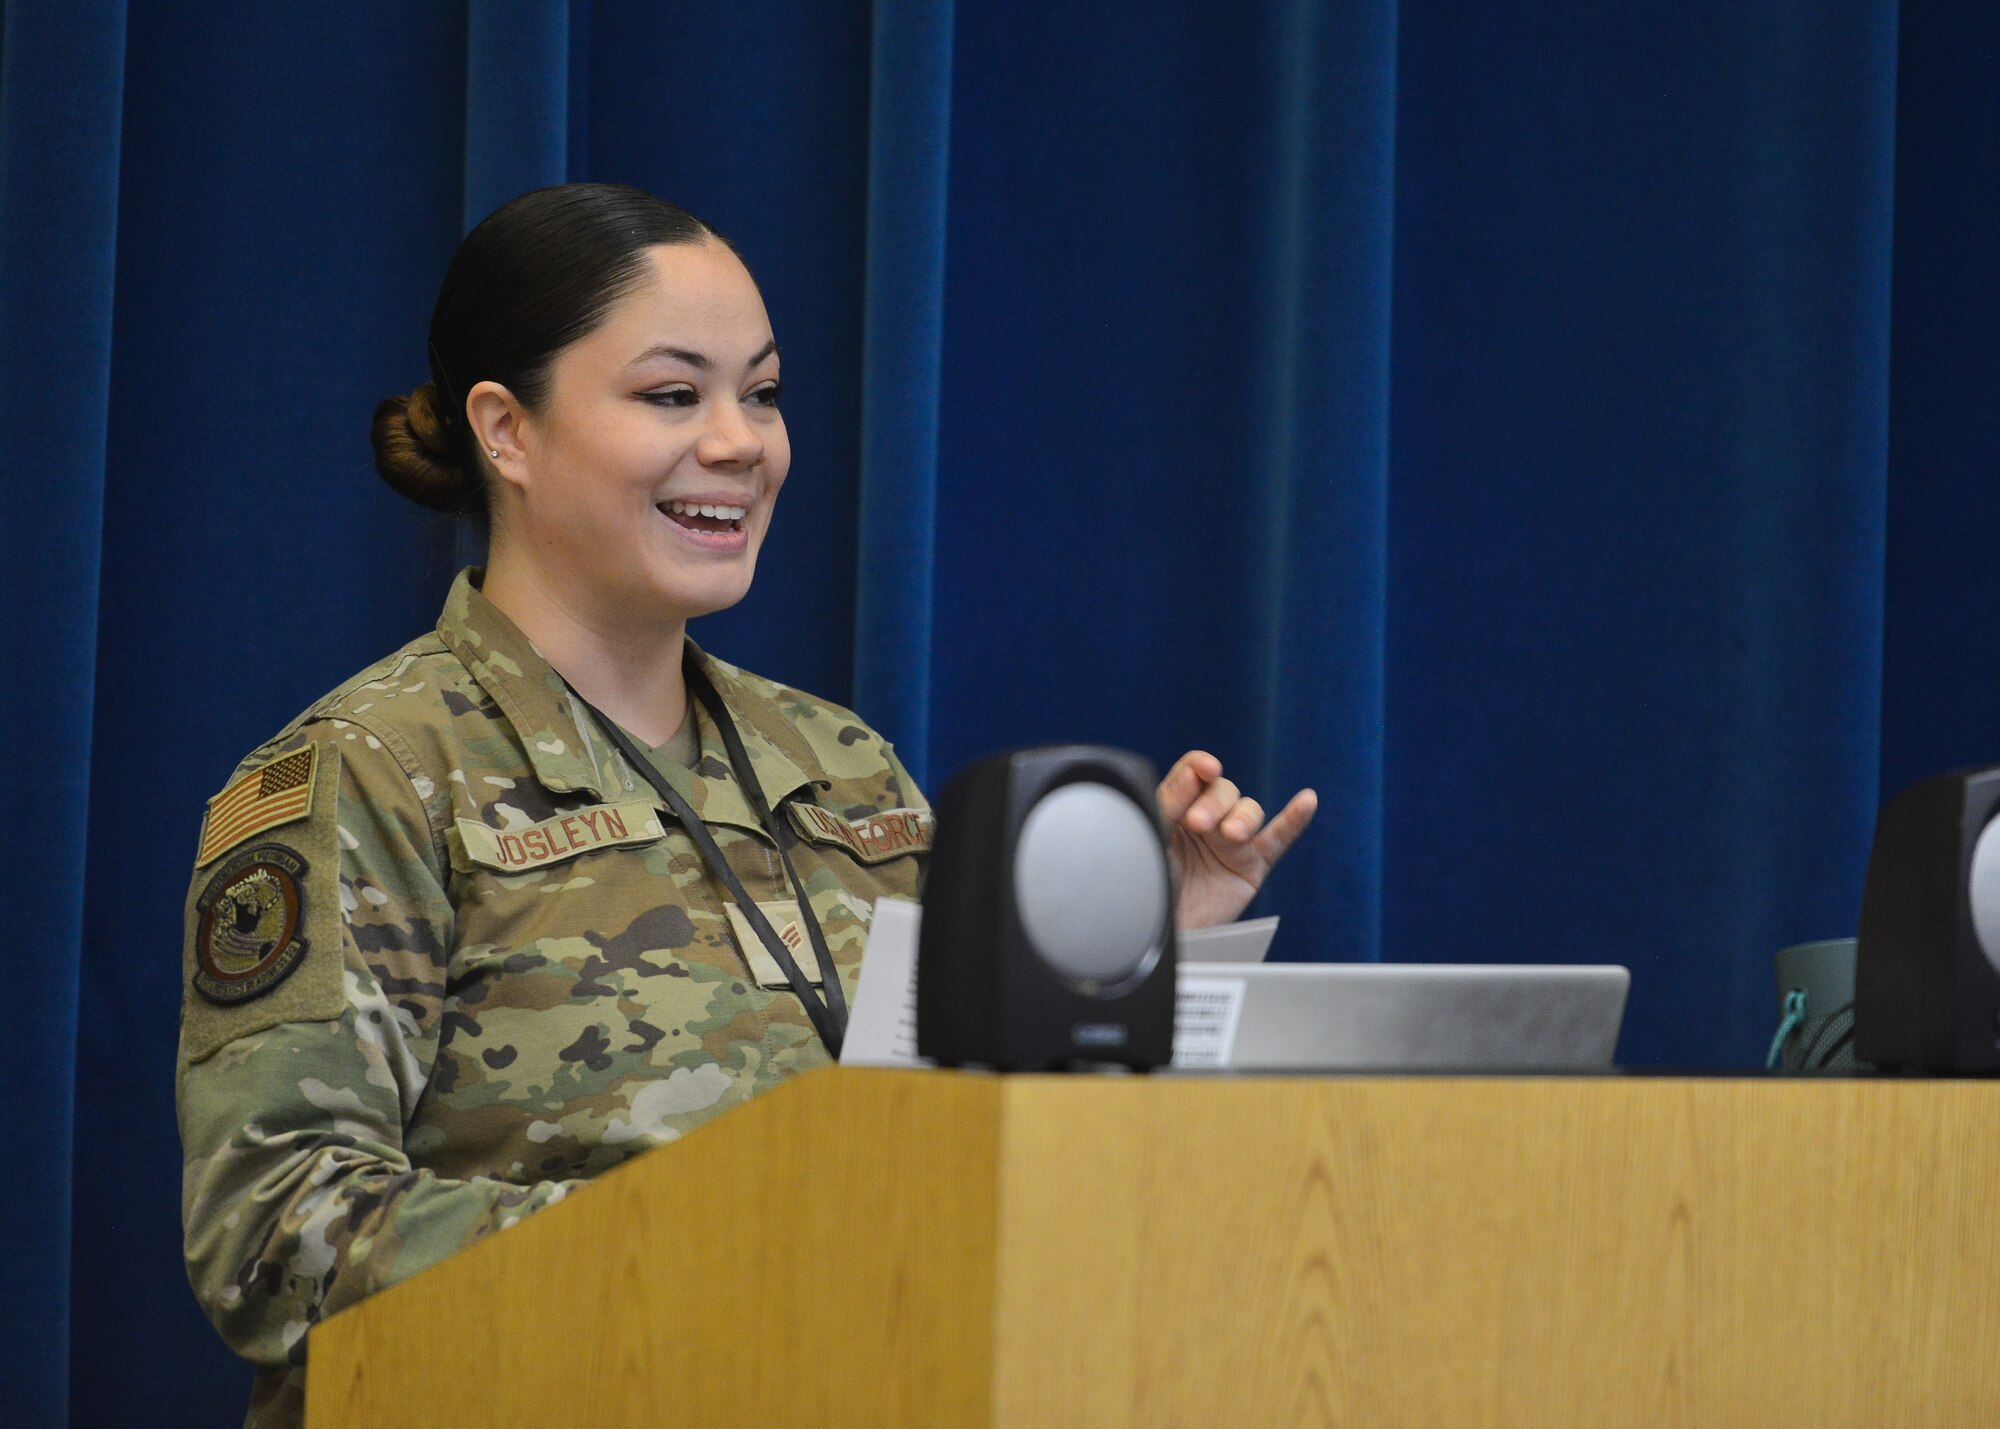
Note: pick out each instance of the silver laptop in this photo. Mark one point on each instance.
(1397, 1017)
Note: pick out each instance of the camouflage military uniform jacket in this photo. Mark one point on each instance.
(447, 959)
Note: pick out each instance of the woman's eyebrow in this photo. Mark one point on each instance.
(696, 360)
(678, 354)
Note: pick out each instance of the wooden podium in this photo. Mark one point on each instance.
(930, 1249)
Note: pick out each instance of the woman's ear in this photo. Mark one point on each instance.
(499, 426)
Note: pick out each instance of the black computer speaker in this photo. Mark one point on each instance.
(1927, 968)
(1048, 929)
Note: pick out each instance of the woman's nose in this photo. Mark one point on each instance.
(730, 440)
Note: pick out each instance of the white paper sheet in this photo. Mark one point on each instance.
(882, 1024)
(1206, 1010)
(1245, 942)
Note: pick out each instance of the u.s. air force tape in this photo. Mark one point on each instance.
(873, 838)
(251, 933)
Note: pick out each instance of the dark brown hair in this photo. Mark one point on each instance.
(538, 273)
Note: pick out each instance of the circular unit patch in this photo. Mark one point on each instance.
(247, 941)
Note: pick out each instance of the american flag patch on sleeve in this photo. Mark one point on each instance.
(273, 794)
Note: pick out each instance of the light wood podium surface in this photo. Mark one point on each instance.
(877, 1248)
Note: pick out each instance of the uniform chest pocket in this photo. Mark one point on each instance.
(532, 846)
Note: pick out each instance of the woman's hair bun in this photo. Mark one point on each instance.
(416, 453)
(532, 277)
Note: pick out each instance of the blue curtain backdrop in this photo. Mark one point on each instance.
(1494, 417)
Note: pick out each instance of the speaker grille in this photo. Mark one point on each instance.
(1090, 881)
(1983, 892)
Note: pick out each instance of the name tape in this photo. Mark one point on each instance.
(564, 836)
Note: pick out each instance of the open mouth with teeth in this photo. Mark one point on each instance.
(711, 519)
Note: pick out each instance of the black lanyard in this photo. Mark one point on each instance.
(829, 1018)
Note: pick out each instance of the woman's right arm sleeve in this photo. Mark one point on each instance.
(298, 1195)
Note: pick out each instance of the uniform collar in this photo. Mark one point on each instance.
(569, 754)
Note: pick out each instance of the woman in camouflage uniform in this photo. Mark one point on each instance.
(449, 954)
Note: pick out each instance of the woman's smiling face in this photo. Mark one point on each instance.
(647, 475)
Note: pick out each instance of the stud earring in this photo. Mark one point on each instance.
(494, 453)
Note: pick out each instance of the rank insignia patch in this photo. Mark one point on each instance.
(250, 936)
(266, 797)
